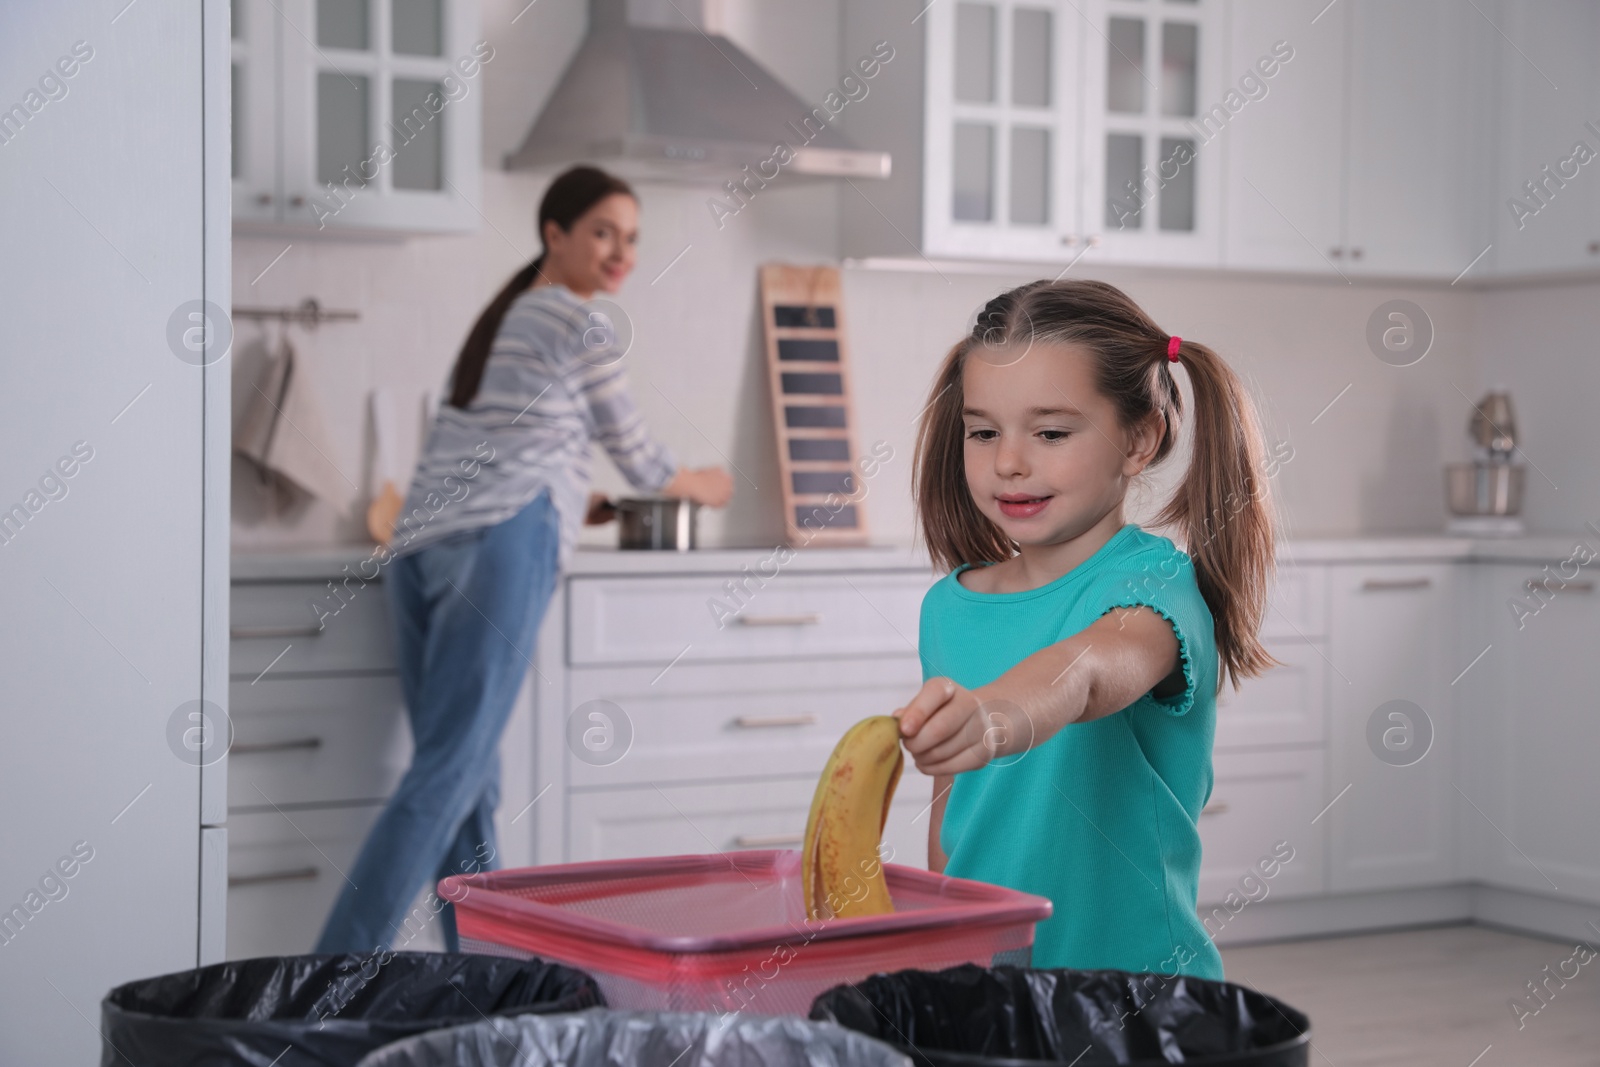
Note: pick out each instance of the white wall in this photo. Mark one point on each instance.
(1541, 342)
(1371, 463)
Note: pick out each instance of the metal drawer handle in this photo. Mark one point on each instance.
(1216, 807)
(1556, 585)
(254, 747)
(768, 840)
(245, 633)
(809, 618)
(755, 721)
(1386, 584)
(294, 874)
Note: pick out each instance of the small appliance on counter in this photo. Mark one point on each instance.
(1485, 496)
(658, 522)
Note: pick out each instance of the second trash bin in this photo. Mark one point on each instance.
(641, 1039)
(1012, 1016)
(327, 1011)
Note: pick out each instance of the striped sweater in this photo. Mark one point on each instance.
(553, 383)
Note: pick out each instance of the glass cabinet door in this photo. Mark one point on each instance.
(1000, 133)
(254, 89)
(381, 121)
(1152, 74)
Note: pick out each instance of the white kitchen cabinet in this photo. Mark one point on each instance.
(1360, 157)
(679, 819)
(747, 720)
(1003, 163)
(1527, 807)
(285, 870)
(357, 115)
(1285, 149)
(1258, 800)
(1285, 706)
(1546, 204)
(1151, 190)
(1390, 640)
(1418, 89)
(1054, 130)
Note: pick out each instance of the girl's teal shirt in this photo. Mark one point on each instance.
(1103, 817)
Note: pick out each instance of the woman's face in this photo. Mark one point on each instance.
(600, 249)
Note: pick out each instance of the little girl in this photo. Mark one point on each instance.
(1071, 659)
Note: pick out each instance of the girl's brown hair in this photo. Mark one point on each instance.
(1222, 505)
(568, 199)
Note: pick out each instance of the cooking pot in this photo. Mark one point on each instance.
(660, 522)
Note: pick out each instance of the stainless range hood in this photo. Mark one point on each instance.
(654, 94)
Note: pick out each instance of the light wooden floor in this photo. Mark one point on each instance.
(1422, 998)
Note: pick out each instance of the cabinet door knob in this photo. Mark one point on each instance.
(1557, 585)
(809, 618)
(246, 748)
(295, 874)
(1594, 248)
(263, 199)
(1095, 240)
(245, 633)
(1378, 585)
(1355, 253)
(1336, 253)
(297, 200)
(1070, 240)
(754, 722)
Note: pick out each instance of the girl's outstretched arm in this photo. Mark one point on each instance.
(1094, 673)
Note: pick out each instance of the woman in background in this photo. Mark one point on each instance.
(491, 517)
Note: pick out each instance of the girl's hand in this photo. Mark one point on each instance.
(949, 729)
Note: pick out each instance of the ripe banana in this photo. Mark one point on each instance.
(842, 873)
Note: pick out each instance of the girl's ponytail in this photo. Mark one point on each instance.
(1222, 506)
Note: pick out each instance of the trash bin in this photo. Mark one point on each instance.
(1013, 1016)
(601, 1038)
(298, 1011)
(728, 932)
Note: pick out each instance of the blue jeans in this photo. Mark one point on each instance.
(466, 611)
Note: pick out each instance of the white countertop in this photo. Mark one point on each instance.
(322, 562)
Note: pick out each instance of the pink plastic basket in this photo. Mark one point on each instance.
(728, 932)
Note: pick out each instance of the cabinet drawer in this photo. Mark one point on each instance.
(1287, 705)
(1297, 603)
(1258, 800)
(734, 719)
(284, 872)
(649, 620)
(315, 740)
(275, 624)
(681, 819)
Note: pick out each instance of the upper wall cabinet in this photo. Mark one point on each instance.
(357, 115)
(1357, 155)
(1546, 197)
(1055, 130)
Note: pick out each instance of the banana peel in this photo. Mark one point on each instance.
(841, 870)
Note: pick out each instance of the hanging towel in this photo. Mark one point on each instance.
(283, 433)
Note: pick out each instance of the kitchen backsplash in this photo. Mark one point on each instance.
(1360, 443)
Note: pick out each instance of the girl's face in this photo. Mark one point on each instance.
(600, 249)
(1046, 455)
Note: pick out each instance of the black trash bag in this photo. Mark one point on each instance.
(321, 1011)
(1012, 1015)
(641, 1039)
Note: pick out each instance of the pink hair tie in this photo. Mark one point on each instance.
(1172, 348)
